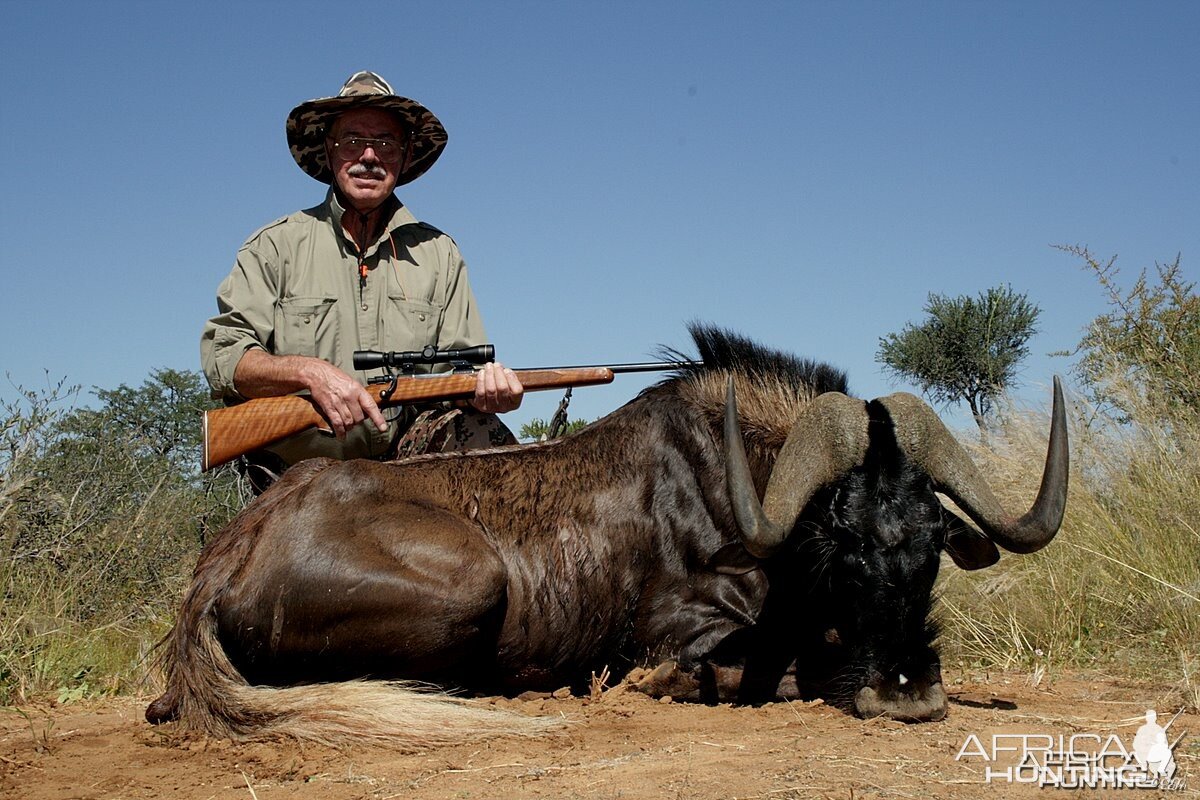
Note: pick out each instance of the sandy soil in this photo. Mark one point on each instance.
(620, 744)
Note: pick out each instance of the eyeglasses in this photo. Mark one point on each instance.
(351, 148)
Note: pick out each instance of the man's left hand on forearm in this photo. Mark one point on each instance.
(497, 389)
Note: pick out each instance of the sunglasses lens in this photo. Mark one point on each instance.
(352, 147)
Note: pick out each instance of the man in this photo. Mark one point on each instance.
(357, 272)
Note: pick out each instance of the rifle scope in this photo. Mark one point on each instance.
(400, 359)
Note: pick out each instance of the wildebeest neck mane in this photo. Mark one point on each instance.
(773, 387)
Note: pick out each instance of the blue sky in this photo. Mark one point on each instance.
(805, 173)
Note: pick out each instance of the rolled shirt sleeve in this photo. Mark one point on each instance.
(245, 319)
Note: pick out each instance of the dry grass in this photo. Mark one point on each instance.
(1119, 588)
(80, 617)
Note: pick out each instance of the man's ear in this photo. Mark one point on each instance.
(970, 549)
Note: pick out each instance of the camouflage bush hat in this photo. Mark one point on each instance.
(309, 123)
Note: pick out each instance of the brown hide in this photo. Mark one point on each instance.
(526, 566)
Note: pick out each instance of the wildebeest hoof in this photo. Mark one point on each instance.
(164, 709)
(668, 680)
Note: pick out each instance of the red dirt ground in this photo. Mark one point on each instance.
(621, 745)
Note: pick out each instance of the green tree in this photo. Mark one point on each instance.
(121, 475)
(967, 349)
(1145, 351)
(157, 422)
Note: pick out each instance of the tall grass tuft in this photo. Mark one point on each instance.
(1119, 587)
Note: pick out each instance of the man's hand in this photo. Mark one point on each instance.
(341, 400)
(497, 389)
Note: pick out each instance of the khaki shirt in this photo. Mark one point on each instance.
(295, 290)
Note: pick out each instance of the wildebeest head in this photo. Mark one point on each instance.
(852, 493)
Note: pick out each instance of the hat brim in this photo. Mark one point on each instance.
(308, 125)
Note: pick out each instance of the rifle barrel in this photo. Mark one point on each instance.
(650, 366)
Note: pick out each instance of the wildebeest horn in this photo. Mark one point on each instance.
(826, 442)
(926, 440)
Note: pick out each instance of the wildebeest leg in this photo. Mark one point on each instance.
(762, 675)
(423, 598)
(709, 683)
(746, 666)
(668, 680)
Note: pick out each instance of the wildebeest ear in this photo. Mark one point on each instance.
(733, 559)
(970, 549)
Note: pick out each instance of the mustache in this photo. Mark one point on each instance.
(374, 170)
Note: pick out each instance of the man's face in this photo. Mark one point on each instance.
(367, 179)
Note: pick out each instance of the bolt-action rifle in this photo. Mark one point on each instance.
(237, 430)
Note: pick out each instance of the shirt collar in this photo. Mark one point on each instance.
(396, 212)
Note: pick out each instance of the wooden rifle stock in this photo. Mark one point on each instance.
(237, 430)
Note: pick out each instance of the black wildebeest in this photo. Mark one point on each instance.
(638, 540)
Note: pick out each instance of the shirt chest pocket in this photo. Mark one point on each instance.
(411, 324)
(306, 326)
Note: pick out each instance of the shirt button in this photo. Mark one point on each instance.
(421, 317)
(307, 320)
(364, 306)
